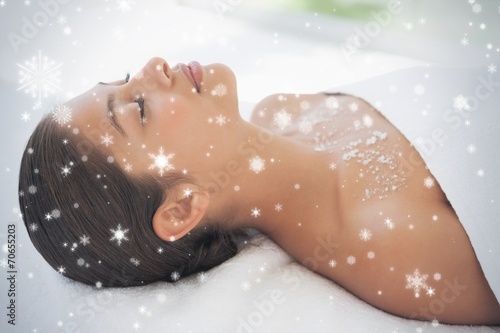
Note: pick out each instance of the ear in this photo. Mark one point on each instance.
(176, 217)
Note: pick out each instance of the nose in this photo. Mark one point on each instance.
(156, 74)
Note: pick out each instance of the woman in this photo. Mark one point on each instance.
(153, 178)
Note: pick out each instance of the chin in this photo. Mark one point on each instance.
(222, 74)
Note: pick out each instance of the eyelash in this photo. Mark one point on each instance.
(139, 101)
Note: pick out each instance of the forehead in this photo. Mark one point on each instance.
(89, 113)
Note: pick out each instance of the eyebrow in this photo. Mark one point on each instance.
(112, 115)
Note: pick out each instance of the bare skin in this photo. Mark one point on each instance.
(342, 191)
(409, 228)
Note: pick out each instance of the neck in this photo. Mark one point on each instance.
(274, 183)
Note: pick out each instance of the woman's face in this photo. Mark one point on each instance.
(163, 119)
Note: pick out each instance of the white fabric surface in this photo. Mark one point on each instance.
(457, 138)
(236, 296)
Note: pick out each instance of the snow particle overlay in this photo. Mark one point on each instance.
(39, 78)
(220, 120)
(351, 260)
(429, 182)
(119, 235)
(305, 126)
(388, 223)
(461, 103)
(282, 119)
(416, 281)
(255, 212)
(331, 103)
(365, 234)
(257, 164)
(107, 139)
(61, 114)
(219, 90)
(161, 161)
(175, 276)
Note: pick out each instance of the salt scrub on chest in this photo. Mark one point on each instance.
(377, 160)
(369, 148)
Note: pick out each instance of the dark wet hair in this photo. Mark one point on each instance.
(92, 222)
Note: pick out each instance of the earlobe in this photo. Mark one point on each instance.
(174, 219)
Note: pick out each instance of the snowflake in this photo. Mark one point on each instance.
(32, 189)
(219, 90)
(305, 126)
(419, 89)
(261, 113)
(61, 114)
(460, 102)
(282, 119)
(492, 68)
(187, 193)
(278, 207)
(476, 8)
(257, 164)
(220, 120)
(388, 223)
(39, 77)
(25, 116)
(107, 139)
(84, 240)
(332, 263)
(33, 227)
(437, 276)
(304, 105)
(416, 281)
(56, 213)
(370, 255)
(408, 25)
(471, 148)
(352, 42)
(354, 107)
(175, 276)
(128, 167)
(332, 166)
(332, 103)
(464, 41)
(162, 162)
(124, 5)
(255, 212)
(61, 269)
(367, 121)
(428, 182)
(119, 234)
(365, 234)
(65, 170)
(351, 260)
(202, 277)
(2, 3)
(135, 262)
(61, 19)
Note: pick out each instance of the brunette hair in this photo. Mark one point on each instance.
(92, 222)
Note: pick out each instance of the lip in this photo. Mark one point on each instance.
(194, 73)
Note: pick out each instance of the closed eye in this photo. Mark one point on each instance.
(140, 101)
